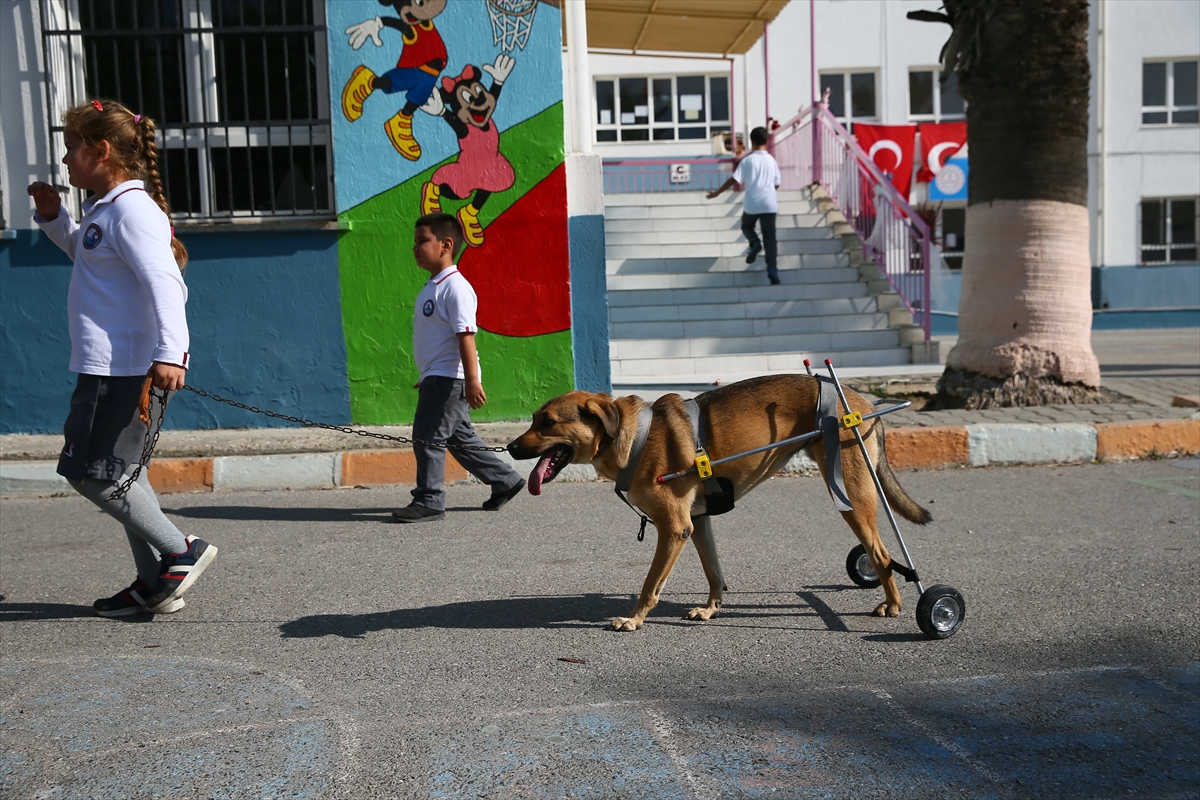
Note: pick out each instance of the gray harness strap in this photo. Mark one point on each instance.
(711, 485)
(830, 424)
(625, 476)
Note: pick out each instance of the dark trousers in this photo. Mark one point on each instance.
(768, 243)
(443, 415)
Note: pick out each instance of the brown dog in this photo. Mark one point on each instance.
(597, 429)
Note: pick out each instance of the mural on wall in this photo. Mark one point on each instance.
(497, 165)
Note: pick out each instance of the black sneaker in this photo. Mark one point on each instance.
(753, 251)
(497, 500)
(179, 571)
(416, 513)
(130, 601)
(773, 278)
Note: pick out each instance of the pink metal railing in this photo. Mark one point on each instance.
(815, 148)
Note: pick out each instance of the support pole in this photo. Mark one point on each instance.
(581, 79)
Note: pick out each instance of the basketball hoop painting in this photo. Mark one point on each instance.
(512, 20)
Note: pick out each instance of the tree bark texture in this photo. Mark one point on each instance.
(1025, 310)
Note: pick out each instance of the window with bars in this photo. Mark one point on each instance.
(1169, 228)
(238, 89)
(661, 108)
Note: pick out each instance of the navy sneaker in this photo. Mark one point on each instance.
(416, 513)
(497, 500)
(773, 278)
(130, 601)
(753, 251)
(179, 571)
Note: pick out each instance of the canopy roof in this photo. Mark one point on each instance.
(726, 27)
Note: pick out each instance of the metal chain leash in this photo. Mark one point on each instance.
(152, 432)
(342, 429)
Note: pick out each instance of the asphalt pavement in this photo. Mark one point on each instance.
(331, 654)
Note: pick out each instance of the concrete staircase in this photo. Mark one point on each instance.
(686, 310)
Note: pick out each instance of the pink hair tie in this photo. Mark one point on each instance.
(172, 231)
(96, 104)
(137, 119)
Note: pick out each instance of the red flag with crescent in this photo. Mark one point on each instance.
(939, 141)
(891, 147)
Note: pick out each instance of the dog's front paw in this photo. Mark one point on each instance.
(702, 613)
(624, 624)
(887, 610)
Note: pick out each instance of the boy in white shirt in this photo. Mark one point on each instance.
(760, 176)
(450, 383)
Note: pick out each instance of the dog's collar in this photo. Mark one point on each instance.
(625, 476)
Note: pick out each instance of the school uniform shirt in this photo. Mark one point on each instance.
(759, 176)
(445, 308)
(126, 299)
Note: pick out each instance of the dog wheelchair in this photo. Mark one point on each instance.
(941, 608)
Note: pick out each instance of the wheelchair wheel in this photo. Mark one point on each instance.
(940, 611)
(858, 566)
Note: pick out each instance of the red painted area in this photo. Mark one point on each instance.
(522, 271)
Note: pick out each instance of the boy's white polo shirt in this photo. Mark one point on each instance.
(759, 174)
(126, 299)
(445, 308)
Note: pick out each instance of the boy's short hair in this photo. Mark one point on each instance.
(759, 136)
(442, 226)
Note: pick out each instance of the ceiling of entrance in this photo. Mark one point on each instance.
(725, 27)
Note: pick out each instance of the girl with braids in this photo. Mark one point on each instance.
(125, 307)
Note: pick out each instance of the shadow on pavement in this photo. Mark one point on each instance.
(15, 612)
(269, 514)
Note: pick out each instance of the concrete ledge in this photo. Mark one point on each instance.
(255, 473)
(177, 475)
(382, 467)
(32, 477)
(1031, 444)
(914, 448)
(1140, 439)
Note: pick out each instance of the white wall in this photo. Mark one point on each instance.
(23, 144)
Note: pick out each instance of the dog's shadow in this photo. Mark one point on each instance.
(552, 611)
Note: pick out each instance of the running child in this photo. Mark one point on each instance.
(759, 174)
(450, 383)
(125, 307)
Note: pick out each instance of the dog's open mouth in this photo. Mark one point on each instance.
(549, 465)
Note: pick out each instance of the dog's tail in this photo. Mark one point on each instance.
(908, 508)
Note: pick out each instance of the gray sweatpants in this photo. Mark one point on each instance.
(149, 531)
(443, 415)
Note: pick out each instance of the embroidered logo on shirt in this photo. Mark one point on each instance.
(92, 237)
(427, 309)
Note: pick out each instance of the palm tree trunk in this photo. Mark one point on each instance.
(1025, 310)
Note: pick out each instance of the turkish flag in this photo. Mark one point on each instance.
(891, 147)
(939, 141)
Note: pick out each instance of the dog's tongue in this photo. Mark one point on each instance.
(539, 473)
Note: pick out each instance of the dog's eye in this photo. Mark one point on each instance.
(546, 422)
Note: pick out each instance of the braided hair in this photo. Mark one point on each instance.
(132, 138)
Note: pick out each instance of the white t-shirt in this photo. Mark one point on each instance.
(126, 299)
(445, 308)
(759, 176)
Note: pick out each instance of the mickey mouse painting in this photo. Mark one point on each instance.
(480, 169)
(422, 58)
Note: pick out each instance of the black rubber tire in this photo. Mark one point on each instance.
(857, 555)
(941, 611)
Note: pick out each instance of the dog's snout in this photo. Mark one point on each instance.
(511, 447)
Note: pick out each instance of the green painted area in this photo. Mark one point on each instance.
(1170, 485)
(380, 281)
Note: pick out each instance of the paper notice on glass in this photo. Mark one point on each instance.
(605, 117)
(641, 111)
(691, 114)
(627, 119)
(691, 102)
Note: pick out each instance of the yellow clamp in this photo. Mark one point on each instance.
(703, 465)
(852, 420)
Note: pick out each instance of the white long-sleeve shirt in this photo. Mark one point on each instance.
(126, 299)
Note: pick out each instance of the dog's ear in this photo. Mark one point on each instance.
(607, 411)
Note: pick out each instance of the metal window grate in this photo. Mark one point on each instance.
(238, 88)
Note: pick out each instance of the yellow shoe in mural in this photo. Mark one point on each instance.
(431, 198)
(399, 130)
(468, 217)
(357, 90)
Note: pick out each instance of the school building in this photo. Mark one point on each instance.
(299, 139)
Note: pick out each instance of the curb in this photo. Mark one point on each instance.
(977, 445)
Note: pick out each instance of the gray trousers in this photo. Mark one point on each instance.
(443, 415)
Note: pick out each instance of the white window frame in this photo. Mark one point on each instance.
(1165, 248)
(937, 115)
(1170, 109)
(711, 125)
(65, 80)
(848, 119)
